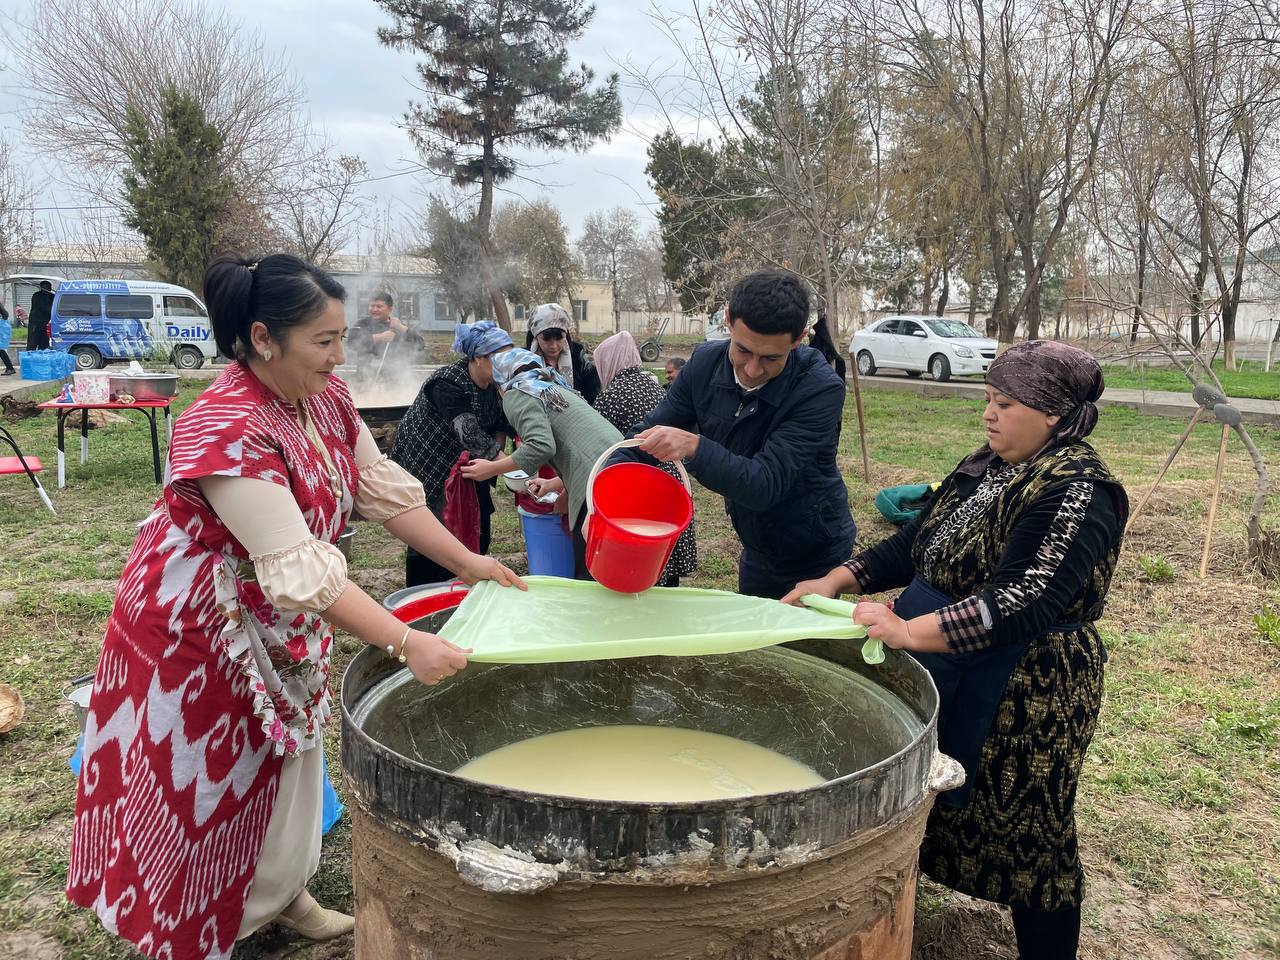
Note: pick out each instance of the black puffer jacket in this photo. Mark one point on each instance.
(771, 454)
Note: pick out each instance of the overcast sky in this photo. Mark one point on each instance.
(359, 91)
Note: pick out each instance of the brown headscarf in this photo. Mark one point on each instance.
(1052, 377)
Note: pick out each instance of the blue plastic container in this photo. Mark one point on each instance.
(550, 549)
(46, 364)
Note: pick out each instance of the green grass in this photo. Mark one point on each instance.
(1177, 801)
(1248, 381)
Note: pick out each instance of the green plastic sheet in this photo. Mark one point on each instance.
(560, 620)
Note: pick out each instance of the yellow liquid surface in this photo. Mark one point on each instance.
(640, 763)
(647, 528)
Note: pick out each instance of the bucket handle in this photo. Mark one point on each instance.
(633, 442)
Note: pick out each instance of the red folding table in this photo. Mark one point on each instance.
(146, 407)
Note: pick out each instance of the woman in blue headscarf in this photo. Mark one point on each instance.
(556, 426)
(457, 409)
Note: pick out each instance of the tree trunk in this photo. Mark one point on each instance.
(945, 294)
(1142, 284)
(1229, 324)
(1006, 326)
(484, 218)
(930, 278)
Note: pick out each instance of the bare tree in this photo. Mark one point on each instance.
(531, 245)
(321, 206)
(113, 54)
(17, 220)
(609, 239)
(646, 286)
(1029, 82)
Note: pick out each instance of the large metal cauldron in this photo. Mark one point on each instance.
(439, 859)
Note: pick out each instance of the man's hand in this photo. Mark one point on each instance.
(395, 324)
(668, 443)
(480, 470)
(384, 336)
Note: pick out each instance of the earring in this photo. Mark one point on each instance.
(266, 355)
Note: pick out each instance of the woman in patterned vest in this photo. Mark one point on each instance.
(1006, 575)
(457, 409)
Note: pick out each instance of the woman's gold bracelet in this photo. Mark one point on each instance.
(399, 654)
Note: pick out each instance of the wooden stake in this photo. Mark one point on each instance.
(1195, 417)
(862, 426)
(1213, 504)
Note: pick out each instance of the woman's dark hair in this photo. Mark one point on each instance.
(770, 302)
(279, 291)
(821, 341)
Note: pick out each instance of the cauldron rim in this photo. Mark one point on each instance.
(721, 805)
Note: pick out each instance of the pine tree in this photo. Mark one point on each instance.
(497, 76)
(175, 187)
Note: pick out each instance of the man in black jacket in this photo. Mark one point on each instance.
(756, 418)
(38, 317)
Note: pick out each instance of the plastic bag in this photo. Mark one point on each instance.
(461, 514)
(560, 620)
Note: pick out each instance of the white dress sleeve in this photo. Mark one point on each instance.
(295, 570)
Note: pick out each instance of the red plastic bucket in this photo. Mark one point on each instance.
(423, 607)
(635, 514)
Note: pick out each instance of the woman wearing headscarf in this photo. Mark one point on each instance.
(550, 336)
(627, 396)
(457, 409)
(556, 427)
(1006, 575)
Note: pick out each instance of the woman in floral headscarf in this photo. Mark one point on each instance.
(556, 427)
(1006, 574)
(551, 338)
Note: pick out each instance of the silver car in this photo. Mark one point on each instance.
(939, 346)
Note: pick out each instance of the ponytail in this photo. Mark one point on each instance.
(279, 291)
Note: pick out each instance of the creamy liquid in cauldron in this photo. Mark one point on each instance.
(640, 763)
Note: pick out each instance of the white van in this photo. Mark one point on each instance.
(105, 321)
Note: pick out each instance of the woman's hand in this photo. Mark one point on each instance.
(488, 568)
(541, 486)
(430, 658)
(884, 625)
(481, 470)
(823, 587)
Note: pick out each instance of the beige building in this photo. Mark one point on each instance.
(591, 307)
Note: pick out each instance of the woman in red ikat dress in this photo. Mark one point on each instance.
(199, 804)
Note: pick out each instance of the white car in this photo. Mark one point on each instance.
(717, 329)
(939, 346)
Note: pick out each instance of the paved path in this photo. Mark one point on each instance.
(1156, 403)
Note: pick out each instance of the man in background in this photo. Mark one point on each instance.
(674, 366)
(378, 333)
(39, 316)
